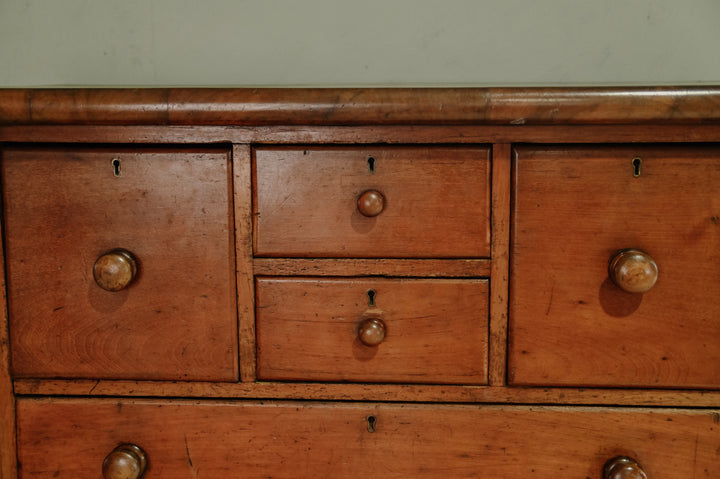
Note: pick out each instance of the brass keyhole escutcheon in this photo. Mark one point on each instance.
(637, 166)
(116, 167)
(371, 294)
(371, 423)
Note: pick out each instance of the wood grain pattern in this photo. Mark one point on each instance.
(8, 456)
(64, 208)
(307, 329)
(333, 106)
(437, 202)
(454, 268)
(574, 208)
(567, 328)
(499, 274)
(303, 440)
(427, 393)
(373, 134)
(14, 106)
(127, 461)
(242, 186)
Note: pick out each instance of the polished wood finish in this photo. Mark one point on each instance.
(65, 207)
(623, 468)
(188, 438)
(371, 203)
(437, 202)
(363, 134)
(8, 455)
(454, 268)
(353, 106)
(574, 207)
(115, 270)
(372, 331)
(436, 330)
(499, 273)
(323, 391)
(633, 270)
(242, 183)
(548, 190)
(126, 461)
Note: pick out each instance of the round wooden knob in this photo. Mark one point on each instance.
(115, 270)
(371, 331)
(371, 203)
(126, 461)
(623, 468)
(633, 270)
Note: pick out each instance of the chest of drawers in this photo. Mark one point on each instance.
(345, 283)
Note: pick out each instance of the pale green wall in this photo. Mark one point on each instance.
(360, 42)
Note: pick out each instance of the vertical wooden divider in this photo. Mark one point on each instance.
(242, 186)
(8, 456)
(499, 270)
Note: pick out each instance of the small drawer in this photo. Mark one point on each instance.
(372, 202)
(372, 330)
(615, 267)
(120, 263)
(72, 438)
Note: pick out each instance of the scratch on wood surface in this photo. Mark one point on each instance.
(550, 302)
(697, 439)
(187, 450)
(93, 388)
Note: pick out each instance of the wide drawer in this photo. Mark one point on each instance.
(376, 330)
(421, 202)
(183, 439)
(575, 208)
(170, 210)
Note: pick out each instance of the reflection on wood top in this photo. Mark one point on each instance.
(361, 106)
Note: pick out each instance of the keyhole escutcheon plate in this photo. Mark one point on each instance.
(637, 166)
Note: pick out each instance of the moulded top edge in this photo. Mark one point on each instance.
(361, 106)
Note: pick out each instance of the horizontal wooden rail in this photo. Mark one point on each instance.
(357, 106)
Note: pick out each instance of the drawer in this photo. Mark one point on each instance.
(575, 208)
(71, 438)
(372, 202)
(170, 210)
(373, 330)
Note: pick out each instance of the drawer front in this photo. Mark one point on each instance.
(374, 330)
(71, 438)
(574, 209)
(422, 202)
(171, 210)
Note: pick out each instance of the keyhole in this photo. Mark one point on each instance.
(116, 166)
(371, 294)
(371, 422)
(637, 163)
(371, 164)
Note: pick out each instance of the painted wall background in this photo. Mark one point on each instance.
(368, 42)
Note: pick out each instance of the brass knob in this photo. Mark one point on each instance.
(371, 203)
(622, 467)
(126, 461)
(371, 331)
(633, 270)
(115, 270)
